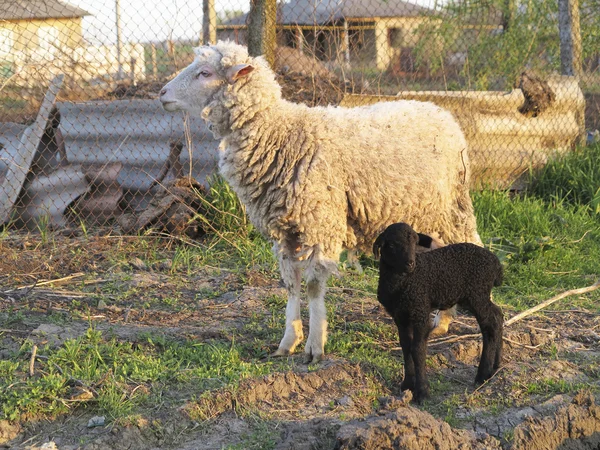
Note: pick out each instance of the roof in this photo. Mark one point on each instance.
(310, 12)
(38, 9)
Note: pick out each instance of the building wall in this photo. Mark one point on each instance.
(378, 44)
(39, 39)
(405, 29)
(36, 50)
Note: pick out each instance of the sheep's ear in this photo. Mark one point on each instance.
(238, 71)
(424, 240)
(377, 246)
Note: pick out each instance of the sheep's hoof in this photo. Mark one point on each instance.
(419, 396)
(281, 352)
(309, 358)
(407, 385)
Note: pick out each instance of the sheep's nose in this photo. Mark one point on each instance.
(163, 91)
(411, 265)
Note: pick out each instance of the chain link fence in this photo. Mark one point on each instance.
(104, 151)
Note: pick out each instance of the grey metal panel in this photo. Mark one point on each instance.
(50, 195)
(18, 167)
(10, 139)
(136, 133)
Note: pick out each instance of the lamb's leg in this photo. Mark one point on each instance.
(406, 336)
(419, 354)
(317, 334)
(489, 317)
(291, 273)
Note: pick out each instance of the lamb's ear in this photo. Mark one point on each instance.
(424, 240)
(377, 246)
(238, 71)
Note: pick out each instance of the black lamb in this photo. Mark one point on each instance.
(412, 284)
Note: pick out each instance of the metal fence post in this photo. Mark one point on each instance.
(261, 29)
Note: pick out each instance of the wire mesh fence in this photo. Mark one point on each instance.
(107, 152)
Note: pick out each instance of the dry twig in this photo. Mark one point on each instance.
(42, 283)
(548, 302)
(32, 360)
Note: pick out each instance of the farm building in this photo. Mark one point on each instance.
(37, 30)
(41, 38)
(353, 31)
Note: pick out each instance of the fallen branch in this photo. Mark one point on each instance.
(542, 305)
(531, 347)
(42, 283)
(453, 339)
(6, 330)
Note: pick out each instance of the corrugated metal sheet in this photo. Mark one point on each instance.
(114, 152)
(136, 133)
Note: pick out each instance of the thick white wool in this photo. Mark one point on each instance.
(318, 180)
(336, 177)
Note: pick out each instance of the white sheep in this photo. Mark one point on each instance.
(318, 180)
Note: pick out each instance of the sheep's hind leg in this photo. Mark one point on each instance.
(317, 334)
(291, 272)
(490, 319)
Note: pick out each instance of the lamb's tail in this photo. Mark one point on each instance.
(499, 275)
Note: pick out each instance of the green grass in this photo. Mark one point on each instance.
(120, 374)
(547, 238)
(573, 178)
(263, 435)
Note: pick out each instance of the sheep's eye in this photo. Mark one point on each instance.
(203, 73)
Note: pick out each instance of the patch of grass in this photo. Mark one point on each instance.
(552, 387)
(120, 374)
(573, 178)
(263, 435)
(546, 247)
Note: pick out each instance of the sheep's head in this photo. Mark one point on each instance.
(397, 246)
(214, 67)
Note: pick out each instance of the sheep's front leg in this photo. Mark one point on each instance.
(405, 332)
(291, 272)
(317, 334)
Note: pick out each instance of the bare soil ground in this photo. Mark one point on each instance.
(542, 398)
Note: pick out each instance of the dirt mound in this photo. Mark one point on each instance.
(573, 427)
(292, 60)
(405, 427)
(8, 431)
(292, 394)
(311, 90)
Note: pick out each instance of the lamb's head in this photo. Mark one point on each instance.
(214, 67)
(397, 246)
